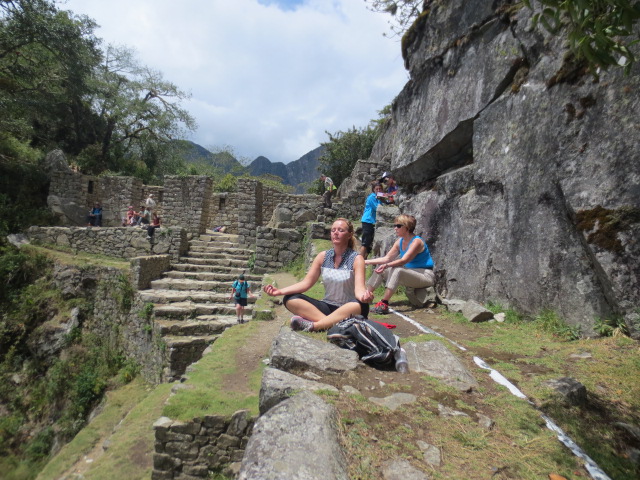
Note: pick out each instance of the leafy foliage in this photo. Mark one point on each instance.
(598, 31)
(404, 12)
(342, 152)
(58, 89)
(58, 392)
(611, 327)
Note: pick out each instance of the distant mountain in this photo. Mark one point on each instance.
(298, 173)
(192, 152)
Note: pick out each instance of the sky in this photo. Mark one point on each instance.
(266, 77)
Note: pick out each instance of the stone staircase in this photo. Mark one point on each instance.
(191, 301)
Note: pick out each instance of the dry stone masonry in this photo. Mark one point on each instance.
(120, 242)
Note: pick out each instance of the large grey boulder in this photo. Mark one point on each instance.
(55, 161)
(293, 351)
(436, 360)
(522, 172)
(298, 439)
(278, 386)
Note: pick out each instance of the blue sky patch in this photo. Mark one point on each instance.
(283, 4)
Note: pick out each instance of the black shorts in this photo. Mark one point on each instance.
(324, 307)
(240, 301)
(368, 231)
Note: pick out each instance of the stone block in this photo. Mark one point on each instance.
(419, 297)
(474, 312)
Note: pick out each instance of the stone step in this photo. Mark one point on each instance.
(198, 246)
(189, 267)
(182, 351)
(198, 242)
(215, 262)
(191, 284)
(217, 236)
(190, 310)
(161, 296)
(214, 276)
(204, 325)
(220, 256)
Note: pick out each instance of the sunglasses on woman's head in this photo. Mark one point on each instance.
(397, 225)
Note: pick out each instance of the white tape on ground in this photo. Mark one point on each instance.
(592, 467)
(425, 329)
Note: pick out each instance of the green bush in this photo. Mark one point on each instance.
(549, 321)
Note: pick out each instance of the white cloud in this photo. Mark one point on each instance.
(266, 77)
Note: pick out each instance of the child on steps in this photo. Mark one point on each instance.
(240, 291)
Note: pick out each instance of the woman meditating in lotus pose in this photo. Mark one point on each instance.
(408, 263)
(342, 270)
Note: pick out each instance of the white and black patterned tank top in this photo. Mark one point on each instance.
(339, 283)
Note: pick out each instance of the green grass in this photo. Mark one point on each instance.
(137, 405)
(208, 395)
(67, 256)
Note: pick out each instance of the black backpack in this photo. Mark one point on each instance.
(374, 343)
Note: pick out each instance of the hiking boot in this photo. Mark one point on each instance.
(381, 308)
(301, 324)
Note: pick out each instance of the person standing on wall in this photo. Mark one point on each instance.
(240, 291)
(329, 188)
(392, 187)
(369, 218)
(150, 203)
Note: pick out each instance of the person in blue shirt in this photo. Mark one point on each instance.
(94, 219)
(408, 263)
(369, 219)
(240, 291)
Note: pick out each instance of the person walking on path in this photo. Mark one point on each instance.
(369, 218)
(408, 263)
(342, 271)
(329, 188)
(240, 291)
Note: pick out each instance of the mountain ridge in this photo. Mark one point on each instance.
(298, 173)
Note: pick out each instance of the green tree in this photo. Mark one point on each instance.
(139, 117)
(599, 32)
(404, 12)
(344, 149)
(46, 56)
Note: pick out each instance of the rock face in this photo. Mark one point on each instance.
(523, 173)
(292, 440)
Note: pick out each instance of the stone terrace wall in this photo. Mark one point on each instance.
(146, 269)
(192, 449)
(271, 198)
(276, 248)
(121, 242)
(71, 185)
(224, 211)
(116, 318)
(187, 202)
(250, 199)
(116, 194)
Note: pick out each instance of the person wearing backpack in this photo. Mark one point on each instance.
(240, 291)
(408, 263)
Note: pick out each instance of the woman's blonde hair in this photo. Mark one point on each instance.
(408, 221)
(352, 242)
